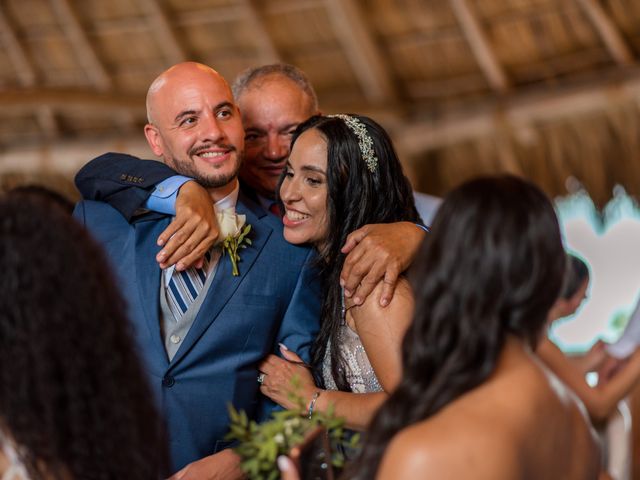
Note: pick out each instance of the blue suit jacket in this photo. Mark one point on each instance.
(275, 299)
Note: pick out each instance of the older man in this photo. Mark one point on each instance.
(201, 332)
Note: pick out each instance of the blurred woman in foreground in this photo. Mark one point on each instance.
(73, 401)
(474, 402)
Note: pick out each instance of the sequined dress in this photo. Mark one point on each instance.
(358, 369)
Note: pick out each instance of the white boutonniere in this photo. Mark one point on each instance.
(233, 235)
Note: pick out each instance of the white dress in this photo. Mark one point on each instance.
(355, 363)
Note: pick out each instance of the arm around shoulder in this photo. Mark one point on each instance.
(378, 252)
(123, 181)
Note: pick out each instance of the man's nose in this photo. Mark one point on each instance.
(276, 148)
(210, 129)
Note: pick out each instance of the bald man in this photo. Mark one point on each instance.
(201, 332)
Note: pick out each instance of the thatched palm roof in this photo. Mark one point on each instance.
(545, 88)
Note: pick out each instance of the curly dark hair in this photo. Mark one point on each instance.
(73, 396)
(491, 267)
(355, 197)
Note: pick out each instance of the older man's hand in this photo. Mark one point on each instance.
(224, 465)
(378, 252)
(192, 232)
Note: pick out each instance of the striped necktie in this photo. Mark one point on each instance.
(184, 287)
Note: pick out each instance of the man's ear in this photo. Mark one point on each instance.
(154, 139)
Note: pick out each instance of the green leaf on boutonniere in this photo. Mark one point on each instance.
(232, 244)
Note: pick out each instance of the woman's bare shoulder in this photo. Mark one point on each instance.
(401, 305)
(450, 448)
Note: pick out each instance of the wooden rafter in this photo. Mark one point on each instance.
(81, 45)
(267, 50)
(518, 114)
(48, 122)
(285, 7)
(608, 32)
(361, 50)
(211, 15)
(480, 45)
(17, 55)
(17, 100)
(26, 74)
(119, 26)
(161, 28)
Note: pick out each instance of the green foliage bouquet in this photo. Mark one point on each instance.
(260, 444)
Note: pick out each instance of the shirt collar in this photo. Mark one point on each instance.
(229, 201)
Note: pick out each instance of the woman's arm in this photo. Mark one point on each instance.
(600, 401)
(282, 374)
(381, 331)
(591, 360)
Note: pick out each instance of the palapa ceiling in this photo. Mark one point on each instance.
(545, 88)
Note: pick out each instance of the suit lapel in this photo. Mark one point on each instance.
(224, 283)
(148, 280)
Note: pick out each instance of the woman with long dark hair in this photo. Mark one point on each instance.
(473, 401)
(74, 403)
(343, 173)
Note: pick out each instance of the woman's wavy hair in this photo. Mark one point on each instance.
(73, 397)
(492, 266)
(355, 197)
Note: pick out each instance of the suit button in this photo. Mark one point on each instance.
(168, 381)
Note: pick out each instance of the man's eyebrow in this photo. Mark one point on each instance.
(185, 113)
(226, 103)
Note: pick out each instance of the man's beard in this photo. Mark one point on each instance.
(188, 169)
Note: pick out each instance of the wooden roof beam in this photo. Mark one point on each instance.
(17, 100)
(275, 7)
(17, 55)
(361, 50)
(480, 45)
(160, 26)
(608, 32)
(267, 51)
(80, 43)
(518, 113)
(212, 15)
(48, 122)
(26, 74)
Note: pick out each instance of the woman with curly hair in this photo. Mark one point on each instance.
(343, 173)
(73, 400)
(473, 401)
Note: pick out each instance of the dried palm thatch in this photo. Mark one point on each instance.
(545, 88)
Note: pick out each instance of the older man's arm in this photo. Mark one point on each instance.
(378, 252)
(131, 186)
